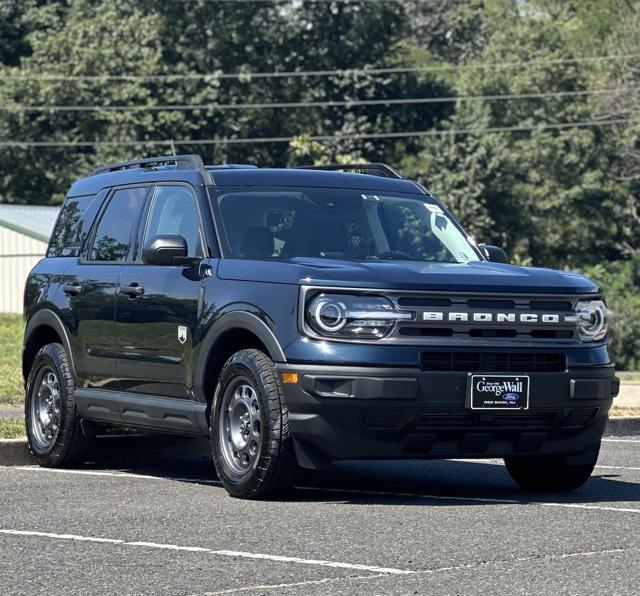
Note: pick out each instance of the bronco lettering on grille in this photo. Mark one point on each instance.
(498, 317)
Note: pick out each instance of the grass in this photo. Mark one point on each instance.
(618, 411)
(626, 377)
(11, 428)
(11, 330)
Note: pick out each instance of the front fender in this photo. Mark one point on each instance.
(46, 317)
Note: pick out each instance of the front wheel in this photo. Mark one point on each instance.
(550, 473)
(250, 438)
(53, 428)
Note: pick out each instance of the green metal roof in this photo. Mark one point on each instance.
(31, 220)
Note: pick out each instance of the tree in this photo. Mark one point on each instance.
(545, 193)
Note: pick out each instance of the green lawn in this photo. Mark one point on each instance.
(11, 389)
(11, 428)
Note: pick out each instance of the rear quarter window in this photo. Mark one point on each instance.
(73, 225)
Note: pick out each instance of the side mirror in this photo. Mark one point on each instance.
(494, 253)
(167, 250)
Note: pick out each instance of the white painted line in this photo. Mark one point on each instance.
(80, 472)
(472, 499)
(261, 587)
(221, 553)
(622, 441)
(616, 468)
(423, 572)
(61, 536)
(596, 507)
(190, 549)
(115, 474)
(283, 559)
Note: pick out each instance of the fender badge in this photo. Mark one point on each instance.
(182, 334)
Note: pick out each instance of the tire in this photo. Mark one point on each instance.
(53, 428)
(250, 438)
(549, 473)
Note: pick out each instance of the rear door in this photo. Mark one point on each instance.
(158, 307)
(91, 282)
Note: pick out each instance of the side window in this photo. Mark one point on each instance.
(71, 227)
(113, 235)
(174, 213)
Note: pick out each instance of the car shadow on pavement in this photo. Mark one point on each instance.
(424, 482)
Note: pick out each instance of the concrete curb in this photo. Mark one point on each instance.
(15, 452)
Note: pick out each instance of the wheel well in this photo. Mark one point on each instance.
(225, 346)
(41, 336)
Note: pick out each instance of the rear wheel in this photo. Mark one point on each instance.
(550, 473)
(53, 429)
(250, 438)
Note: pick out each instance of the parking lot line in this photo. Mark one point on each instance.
(221, 553)
(310, 582)
(622, 441)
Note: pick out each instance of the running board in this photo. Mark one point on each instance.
(135, 409)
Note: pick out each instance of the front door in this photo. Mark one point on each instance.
(90, 285)
(158, 307)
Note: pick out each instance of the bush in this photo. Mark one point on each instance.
(11, 329)
(620, 281)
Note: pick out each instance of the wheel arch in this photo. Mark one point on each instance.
(234, 331)
(44, 327)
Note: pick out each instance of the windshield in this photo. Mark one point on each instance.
(331, 223)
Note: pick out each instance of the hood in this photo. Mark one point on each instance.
(478, 276)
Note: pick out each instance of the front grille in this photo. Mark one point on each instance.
(468, 317)
(520, 362)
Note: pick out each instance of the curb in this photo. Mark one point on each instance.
(15, 452)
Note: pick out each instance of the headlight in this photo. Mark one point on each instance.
(352, 317)
(591, 320)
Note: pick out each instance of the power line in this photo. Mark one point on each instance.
(338, 137)
(307, 104)
(310, 73)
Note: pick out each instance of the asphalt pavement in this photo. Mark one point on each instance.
(148, 516)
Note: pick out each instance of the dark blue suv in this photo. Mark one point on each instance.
(303, 316)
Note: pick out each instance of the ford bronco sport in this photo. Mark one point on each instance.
(302, 316)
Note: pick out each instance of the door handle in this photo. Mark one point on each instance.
(132, 291)
(72, 290)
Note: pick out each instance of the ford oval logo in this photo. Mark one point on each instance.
(511, 396)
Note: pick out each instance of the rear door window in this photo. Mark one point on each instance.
(112, 240)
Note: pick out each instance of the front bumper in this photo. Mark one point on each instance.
(341, 412)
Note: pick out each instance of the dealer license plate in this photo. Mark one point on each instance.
(499, 392)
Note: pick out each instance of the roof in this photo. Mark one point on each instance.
(31, 220)
(240, 176)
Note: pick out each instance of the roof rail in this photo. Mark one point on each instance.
(183, 162)
(373, 169)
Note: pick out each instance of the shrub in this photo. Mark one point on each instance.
(620, 281)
